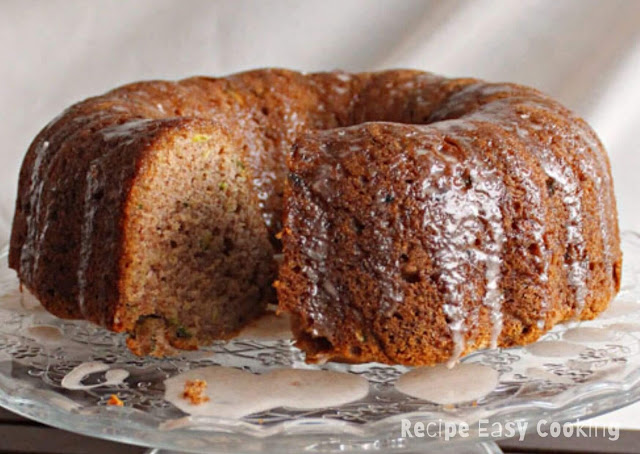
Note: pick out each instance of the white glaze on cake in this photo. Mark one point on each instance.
(577, 265)
(601, 178)
(521, 172)
(86, 234)
(567, 182)
(466, 214)
(28, 252)
(125, 130)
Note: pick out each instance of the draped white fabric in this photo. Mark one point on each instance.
(586, 53)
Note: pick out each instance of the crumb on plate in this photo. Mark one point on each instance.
(115, 401)
(194, 391)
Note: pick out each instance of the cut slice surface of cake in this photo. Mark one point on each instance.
(197, 256)
(171, 246)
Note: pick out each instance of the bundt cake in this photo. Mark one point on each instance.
(424, 217)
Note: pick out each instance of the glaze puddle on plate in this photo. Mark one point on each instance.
(555, 349)
(589, 334)
(620, 309)
(442, 385)
(234, 393)
(268, 327)
(625, 327)
(73, 380)
(22, 301)
(45, 334)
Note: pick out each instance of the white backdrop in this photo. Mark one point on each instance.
(585, 53)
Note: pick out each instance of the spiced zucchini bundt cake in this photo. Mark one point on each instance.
(424, 217)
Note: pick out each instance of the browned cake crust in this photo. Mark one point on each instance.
(153, 209)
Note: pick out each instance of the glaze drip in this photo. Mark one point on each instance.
(465, 214)
(92, 185)
(29, 249)
(566, 181)
(578, 267)
(125, 130)
(585, 143)
(316, 249)
(563, 179)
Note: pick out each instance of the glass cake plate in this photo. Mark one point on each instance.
(600, 373)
